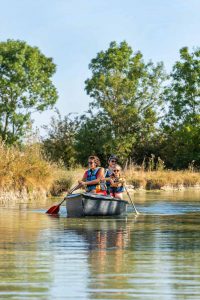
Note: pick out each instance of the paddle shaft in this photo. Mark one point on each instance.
(71, 191)
(55, 209)
(131, 201)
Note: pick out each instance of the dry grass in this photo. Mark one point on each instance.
(159, 179)
(24, 169)
(64, 180)
(28, 169)
(136, 177)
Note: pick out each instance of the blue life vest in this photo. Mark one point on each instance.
(119, 189)
(108, 173)
(92, 175)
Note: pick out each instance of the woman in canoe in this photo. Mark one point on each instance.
(92, 176)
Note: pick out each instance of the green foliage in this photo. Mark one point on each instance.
(181, 146)
(94, 137)
(181, 128)
(128, 92)
(60, 140)
(133, 114)
(25, 87)
(183, 93)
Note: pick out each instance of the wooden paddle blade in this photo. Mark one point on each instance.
(53, 210)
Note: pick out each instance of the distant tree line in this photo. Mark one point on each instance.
(136, 109)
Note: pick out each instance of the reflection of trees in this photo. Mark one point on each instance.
(24, 269)
(179, 237)
(123, 258)
(156, 256)
(167, 256)
(188, 195)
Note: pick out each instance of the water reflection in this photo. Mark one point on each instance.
(147, 256)
(24, 271)
(150, 256)
(105, 241)
(103, 236)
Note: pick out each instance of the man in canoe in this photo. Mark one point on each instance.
(92, 176)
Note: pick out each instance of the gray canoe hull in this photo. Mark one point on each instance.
(87, 204)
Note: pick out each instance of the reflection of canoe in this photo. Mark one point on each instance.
(88, 204)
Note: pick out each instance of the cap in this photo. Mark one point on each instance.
(113, 157)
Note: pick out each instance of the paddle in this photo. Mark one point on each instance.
(55, 209)
(137, 213)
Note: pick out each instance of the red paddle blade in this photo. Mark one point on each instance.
(53, 210)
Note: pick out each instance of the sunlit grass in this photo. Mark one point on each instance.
(64, 180)
(143, 179)
(160, 179)
(24, 169)
(28, 169)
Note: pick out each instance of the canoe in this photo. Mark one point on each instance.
(88, 204)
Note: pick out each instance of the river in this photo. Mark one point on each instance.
(154, 255)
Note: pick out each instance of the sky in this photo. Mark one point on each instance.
(72, 32)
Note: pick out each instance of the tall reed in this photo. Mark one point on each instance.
(24, 168)
(159, 179)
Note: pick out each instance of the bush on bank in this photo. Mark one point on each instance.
(28, 169)
(24, 169)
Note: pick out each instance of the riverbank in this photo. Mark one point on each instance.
(25, 174)
(24, 169)
(151, 180)
(163, 180)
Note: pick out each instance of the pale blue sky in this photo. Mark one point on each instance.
(73, 31)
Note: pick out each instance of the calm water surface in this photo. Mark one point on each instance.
(155, 255)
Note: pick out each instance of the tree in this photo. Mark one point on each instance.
(182, 122)
(25, 87)
(59, 145)
(94, 137)
(128, 92)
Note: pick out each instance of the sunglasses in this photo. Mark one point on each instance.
(113, 161)
(91, 162)
(116, 171)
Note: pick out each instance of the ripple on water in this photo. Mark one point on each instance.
(155, 255)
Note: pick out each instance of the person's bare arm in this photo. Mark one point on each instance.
(113, 183)
(100, 175)
(117, 182)
(122, 181)
(83, 180)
